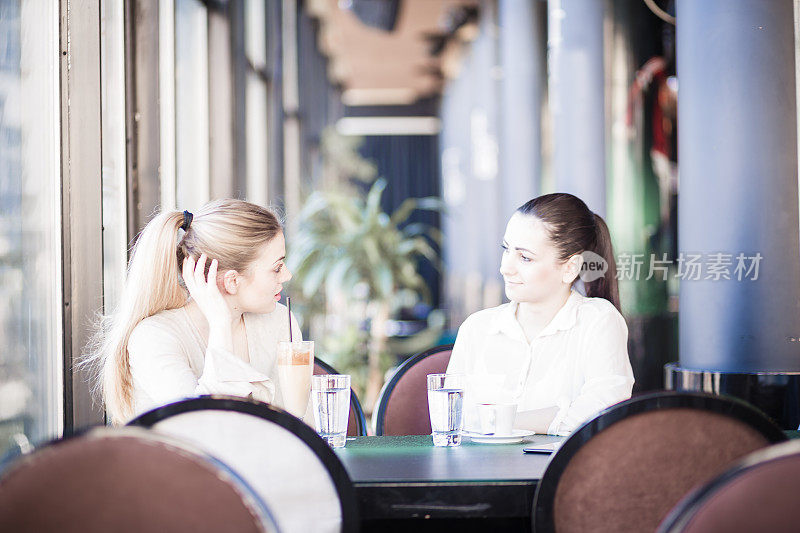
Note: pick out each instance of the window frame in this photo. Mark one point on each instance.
(81, 202)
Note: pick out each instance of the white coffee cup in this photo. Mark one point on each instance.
(496, 418)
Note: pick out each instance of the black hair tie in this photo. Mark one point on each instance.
(187, 220)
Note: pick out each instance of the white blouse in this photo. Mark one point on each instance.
(170, 360)
(578, 362)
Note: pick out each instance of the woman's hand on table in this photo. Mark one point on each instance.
(537, 420)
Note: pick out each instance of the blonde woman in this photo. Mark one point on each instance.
(217, 332)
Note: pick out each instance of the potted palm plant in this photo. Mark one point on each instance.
(356, 265)
(354, 262)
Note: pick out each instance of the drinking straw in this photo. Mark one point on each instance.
(289, 306)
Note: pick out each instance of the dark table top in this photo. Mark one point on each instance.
(405, 480)
(407, 477)
(414, 459)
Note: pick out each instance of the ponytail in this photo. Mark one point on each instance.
(152, 286)
(605, 287)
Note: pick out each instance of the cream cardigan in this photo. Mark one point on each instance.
(170, 360)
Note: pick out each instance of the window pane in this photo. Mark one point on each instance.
(115, 220)
(257, 146)
(191, 103)
(30, 225)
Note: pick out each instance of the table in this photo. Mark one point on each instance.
(407, 478)
(406, 483)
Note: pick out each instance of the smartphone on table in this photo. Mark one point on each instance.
(548, 447)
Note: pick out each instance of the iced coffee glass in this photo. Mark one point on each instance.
(295, 367)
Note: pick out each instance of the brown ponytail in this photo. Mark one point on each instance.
(605, 287)
(574, 229)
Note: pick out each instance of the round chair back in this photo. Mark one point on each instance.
(402, 406)
(758, 494)
(126, 480)
(626, 468)
(288, 465)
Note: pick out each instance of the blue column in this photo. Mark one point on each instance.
(739, 192)
(470, 179)
(522, 57)
(576, 95)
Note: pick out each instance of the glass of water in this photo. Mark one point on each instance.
(330, 394)
(445, 405)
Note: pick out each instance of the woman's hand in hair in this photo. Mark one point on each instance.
(205, 292)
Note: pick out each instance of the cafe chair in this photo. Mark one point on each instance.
(626, 469)
(402, 406)
(760, 493)
(289, 466)
(126, 480)
(356, 422)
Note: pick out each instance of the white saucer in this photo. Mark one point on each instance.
(516, 436)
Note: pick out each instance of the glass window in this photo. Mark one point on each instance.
(31, 364)
(166, 102)
(191, 104)
(115, 211)
(256, 101)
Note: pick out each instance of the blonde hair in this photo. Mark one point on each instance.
(231, 231)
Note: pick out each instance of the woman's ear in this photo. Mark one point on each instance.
(230, 282)
(572, 267)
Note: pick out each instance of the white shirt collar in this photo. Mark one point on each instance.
(506, 320)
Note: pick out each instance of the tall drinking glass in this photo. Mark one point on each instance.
(445, 405)
(295, 367)
(331, 399)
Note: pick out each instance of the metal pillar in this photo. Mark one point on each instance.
(522, 56)
(739, 190)
(576, 94)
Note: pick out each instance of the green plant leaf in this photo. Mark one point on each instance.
(432, 203)
(300, 267)
(384, 281)
(372, 251)
(373, 202)
(314, 277)
(420, 228)
(409, 205)
(336, 276)
(422, 246)
(404, 211)
(315, 203)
